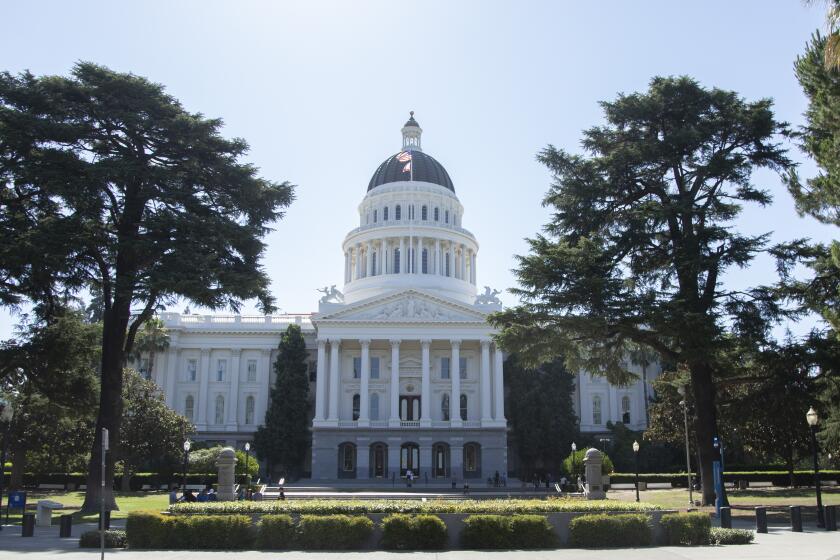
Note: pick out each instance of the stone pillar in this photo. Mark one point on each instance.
(233, 392)
(419, 257)
(594, 488)
(426, 459)
(172, 370)
(383, 258)
(362, 458)
(358, 261)
(394, 456)
(499, 384)
(486, 413)
(456, 459)
(320, 379)
(226, 464)
(335, 366)
(346, 266)
(425, 388)
(394, 414)
(455, 377)
(368, 260)
(364, 386)
(450, 260)
(203, 377)
(265, 382)
(403, 259)
(437, 257)
(463, 262)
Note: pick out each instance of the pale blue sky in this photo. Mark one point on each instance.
(321, 89)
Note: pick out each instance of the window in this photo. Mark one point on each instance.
(424, 213)
(374, 406)
(396, 261)
(625, 409)
(596, 410)
(471, 454)
(385, 214)
(447, 264)
(374, 368)
(398, 212)
(221, 369)
(409, 458)
(347, 452)
(192, 369)
(424, 267)
(252, 371)
(462, 367)
(444, 407)
(446, 216)
(220, 410)
(463, 407)
(437, 214)
(373, 264)
(357, 400)
(374, 216)
(249, 410)
(444, 368)
(189, 408)
(357, 368)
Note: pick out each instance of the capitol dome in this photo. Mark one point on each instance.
(426, 168)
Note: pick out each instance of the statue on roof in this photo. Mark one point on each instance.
(488, 297)
(331, 295)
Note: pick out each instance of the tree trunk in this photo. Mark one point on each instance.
(705, 426)
(18, 454)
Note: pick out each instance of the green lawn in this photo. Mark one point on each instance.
(126, 501)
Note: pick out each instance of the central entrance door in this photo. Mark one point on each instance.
(409, 407)
(409, 458)
(440, 456)
(379, 454)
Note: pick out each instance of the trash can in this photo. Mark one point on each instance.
(66, 523)
(28, 525)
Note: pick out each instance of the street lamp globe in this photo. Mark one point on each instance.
(247, 446)
(574, 447)
(635, 447)
(187, 445)
(812, 417)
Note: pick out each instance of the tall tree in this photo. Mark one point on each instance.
(640, 235)
(151, 339)
(112, 185)
(284, 438)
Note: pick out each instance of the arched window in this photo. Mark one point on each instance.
(425, 264)
(249, 411)
(374, 406)
(446, 216)
(596, 410)
(374, 216)
(409, 458)
(424, 213)
(398, 212)
(346, 460)
(437, 214)
(625, 409)
(444, 406)
(463, 407)
(189, 408)
(385, 214)
(356, 406)
(373, 264)
(472, 457)
(396, 261)
(220, 410)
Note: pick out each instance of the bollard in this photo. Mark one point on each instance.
(760, 520)
(831, 518)
(28, 525)
(107, 520)
(796, 519)
(726, 517)
(66, 526)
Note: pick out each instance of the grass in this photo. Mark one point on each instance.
(126, 501)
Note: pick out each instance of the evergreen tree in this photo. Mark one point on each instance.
(283, 440)
(641, 234)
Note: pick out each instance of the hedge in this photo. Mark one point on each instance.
(363, 507)
(775, 477)
(687, 529)
(507, 532)
(605, 531)
(275, 532)
(414, 532)
(333, 532)
(720, 535)
(198, 532)
(114, 538)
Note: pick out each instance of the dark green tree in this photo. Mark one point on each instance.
(283, 439)
(640, 236)
(107, 183)
(541, 414)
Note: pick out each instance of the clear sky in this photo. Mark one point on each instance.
(321, 89)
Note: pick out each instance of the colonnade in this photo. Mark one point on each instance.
(410, 255)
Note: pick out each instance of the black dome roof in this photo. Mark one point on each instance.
(426, 168)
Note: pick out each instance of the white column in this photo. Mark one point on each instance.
(383, 257)
(265, 382)
(233, 392)
(419, 257)
(172, 364)
(358, 250)
(450, 259)
(486, 413)
(499, 384)
(474, 263)
(394, 414)
(403, 260)
(437, 256)
(364, 386)
(368, 260)
(204, 376)
(463, 263)
(425, 386)
(346, 268)
(334, 380)
(455, 375)
(320, 379)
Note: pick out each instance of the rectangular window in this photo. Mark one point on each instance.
(252, 371)
(462, 367)
(221, 370)
(374, 368)
(192, 369)
(444, 368)
(596, 410)
(357, 368)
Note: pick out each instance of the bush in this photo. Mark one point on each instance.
(146, 530)
(333, 532)
(275, 532)
(414, 532)
(532, 531)
(573, 464)
(507, 532)
(114, 538)
(687, 529)
(720, 535)
(604, 531)
(150, 530)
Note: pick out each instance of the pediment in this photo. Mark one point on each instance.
(410, 306)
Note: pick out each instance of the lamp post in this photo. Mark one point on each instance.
(6, 420)
(636, 464)
(813, 421)
(187, 445)
(574, 464)
(684, 405)
(247, 458)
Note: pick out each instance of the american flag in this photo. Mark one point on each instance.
(405, 157)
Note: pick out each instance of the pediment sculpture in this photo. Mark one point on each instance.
(488, 297)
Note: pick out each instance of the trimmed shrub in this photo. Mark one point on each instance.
(687, 529)
(414, 532)
(146, 530)
(333, 532)
(275, 532)
(225, 532)
(486, 531)
(114, 538)
(532, 531)
(605, 531)
(720, 535)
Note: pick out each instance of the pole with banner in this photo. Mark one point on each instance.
(102, 495)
